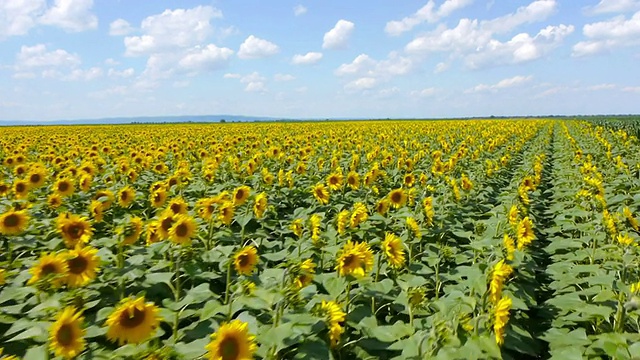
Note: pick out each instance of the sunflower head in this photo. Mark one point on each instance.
(232, 341)
(133, 321)
(355, 259)
(51, 267)
(246, 259)
(353, 180)
(321, 193)
(226, 212)
(82, 264)
(37, 177)
(131, 230)
(393, 250)
(260, 205)
(14, 222)
(64, 187)
(153, 233)
(74, 229)
(178, 206)
(183, 229)
(240, 195)
(66, 335)
(397, 198)
(21, 188)
(126, 196)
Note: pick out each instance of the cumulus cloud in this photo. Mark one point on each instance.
(71, 15)
(299, 10)
(534, 12)
(206, 58)
(38, 56)
(171, 30)
(306, 59)
(363, 83)
(255, 82)
(365, 67)
(606, 35)
(19, 16)
(614, 6)
(427, 92)
(338, 37)
(126, 73)
(502, 84)
(120, 27)
(428, 13)
(256, 48)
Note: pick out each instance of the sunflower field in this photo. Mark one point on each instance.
(460, 239)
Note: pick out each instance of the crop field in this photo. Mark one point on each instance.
(461, 239)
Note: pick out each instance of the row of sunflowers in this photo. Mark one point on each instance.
(385, 240)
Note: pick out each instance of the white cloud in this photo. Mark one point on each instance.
(255, 82)
(534, 12)
(427, 13)
(37, 56)
(232, 76)
(364, 83)
(172, 29)
(255, 87)
(86, 75)
(71, 15)
(631, 89)
(614, 6)
(24, 75)
(283, 77)
(338, 37)
(361, 63)
(111, 62)
(601, 87)
(502, 84)
(256, 48)
(120, 27)
(206, 58)
(121, 73)
(606, 35)
(427, 92)
(299, 10)
(17, 17)
(306, 59)
(441, 67)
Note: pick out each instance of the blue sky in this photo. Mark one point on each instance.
(70, 59)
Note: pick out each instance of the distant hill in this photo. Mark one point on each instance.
(144, 120)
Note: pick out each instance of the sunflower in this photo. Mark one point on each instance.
(126, 195)
(296, 227)
(82, 263)
(240, 195)
(133, 321)
(306, 270)
(397, 198)
(54, 201)
(226, 212)
(66, 334)
(14, 222)
(246, 259)
(315, 221)
(183, 229)
(353, 180)
(21, 189)
(501, 271)
(178, 206)
(2, 277)
(153, 234)
(74, 229)
(64, 187)
(85, 182)
(501, 318)
(232, 341)
(342, 221)
(412, 224)
(158, 198)
(131, 231)
(54, 265)
(95, 209)
(409, 179)
(525, 233)
(334, 181)
(321, 193)
(206, 208)
(382, 206)
(393, 250)
(509, 245)
(332, 311)
(4, 189)
(165, 222)
(513, 215)
(359, 214)
(37, 177)
(105, 197)
(260, 205)
(354, 259)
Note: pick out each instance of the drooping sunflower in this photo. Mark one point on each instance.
(305, 275)
(501, 318)
(355, 259)
(82, 263)
(126, 195)
(334, 316)
(64, 187)
(14, 222)
(513, 215)
(260, 205)
(54, 265)
(133, 321)
(131, 231)
(321, 193)
(74, 229)
(240, 195)
(342, 221)
(393, 250)
(183, 229)
(509, 245)
(232, 341)
(66, 335)
(501, 271)
(21, 189)
(297, 227)
(226, 212)
(246, 259)
(397, 198)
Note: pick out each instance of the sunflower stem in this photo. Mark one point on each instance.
(228, 284)
(348, 296)
(120, 264)
(373, 299)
